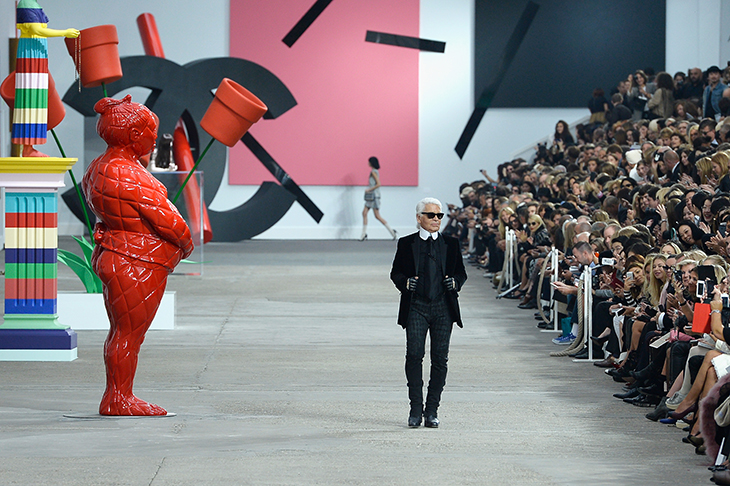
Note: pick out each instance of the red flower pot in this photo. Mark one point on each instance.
(99, 58)
(232, 112)
(56, 110)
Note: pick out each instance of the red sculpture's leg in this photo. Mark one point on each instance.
(132, 294)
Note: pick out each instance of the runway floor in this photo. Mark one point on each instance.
(286, 368)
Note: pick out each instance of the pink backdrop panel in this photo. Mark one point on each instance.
(356, 99)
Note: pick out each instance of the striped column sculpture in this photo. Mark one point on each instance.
(30, 330)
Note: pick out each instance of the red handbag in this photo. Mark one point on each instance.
(701, 319)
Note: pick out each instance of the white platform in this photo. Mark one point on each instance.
(38, 354)
(86, 312)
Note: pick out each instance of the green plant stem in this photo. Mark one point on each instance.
(76, 186)
(103, 87)
(179, 191)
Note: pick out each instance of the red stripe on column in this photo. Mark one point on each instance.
(31, 220)
(30, 288)
(31, 65)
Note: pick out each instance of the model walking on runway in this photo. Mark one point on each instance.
(372, 200)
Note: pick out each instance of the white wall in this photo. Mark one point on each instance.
(445, 99)
(694, 37)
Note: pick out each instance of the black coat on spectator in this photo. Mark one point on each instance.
(618, 113)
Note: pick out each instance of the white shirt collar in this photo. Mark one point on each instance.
(424, 235)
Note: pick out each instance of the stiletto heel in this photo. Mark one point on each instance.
(680, 415)
(600, 341)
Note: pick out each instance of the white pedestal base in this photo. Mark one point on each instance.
(38, 354)
(86, 312)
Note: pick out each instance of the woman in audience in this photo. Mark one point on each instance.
(690, 235)
(639, 94)
(661, 104)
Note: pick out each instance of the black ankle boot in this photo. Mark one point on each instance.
(642, 375)
(656, 388)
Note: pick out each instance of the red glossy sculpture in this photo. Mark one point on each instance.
(140, 238)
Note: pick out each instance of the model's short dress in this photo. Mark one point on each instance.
(372, 198)
(30, 115)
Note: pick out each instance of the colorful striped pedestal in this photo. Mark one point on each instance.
(30, 330)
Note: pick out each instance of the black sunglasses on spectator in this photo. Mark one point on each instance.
(434, 215)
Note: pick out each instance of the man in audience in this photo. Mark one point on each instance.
(583, 255)
(670, 167)
(693, 87)
(707, 130)
(712, 94)
(619, 111)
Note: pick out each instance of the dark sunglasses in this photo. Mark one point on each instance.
(434, 215)
(532, 224)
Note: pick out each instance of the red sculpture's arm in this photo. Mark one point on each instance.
(161, 216)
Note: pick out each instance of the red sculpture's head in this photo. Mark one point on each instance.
(124, 123)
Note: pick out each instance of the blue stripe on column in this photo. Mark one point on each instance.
(30, 130)
(31, 255)
(31, 202)
(31, 306)
(38, 339)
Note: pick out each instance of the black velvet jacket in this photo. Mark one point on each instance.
(405, 265)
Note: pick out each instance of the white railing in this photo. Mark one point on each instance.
(587, 285)
(554, 276)
(510, 255)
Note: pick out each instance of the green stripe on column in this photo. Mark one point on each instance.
(31, 98)
(31, 270)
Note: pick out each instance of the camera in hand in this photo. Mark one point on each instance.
(706, 281)
(700, 289)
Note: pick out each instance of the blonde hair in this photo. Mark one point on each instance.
(652, 286)
(696, 255)
(536, 217)
(721, 159)
(502, 228)
(568, 233)
(704, 169)
(687, 262)
(628, 232)
(716, 260)
(674, 246)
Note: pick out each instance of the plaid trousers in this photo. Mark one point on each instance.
(427, 317)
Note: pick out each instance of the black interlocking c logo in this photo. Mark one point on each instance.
(186, 92)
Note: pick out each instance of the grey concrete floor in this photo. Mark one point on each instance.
(286, 368)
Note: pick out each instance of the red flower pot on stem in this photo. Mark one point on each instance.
(232, 112)
(97, 56)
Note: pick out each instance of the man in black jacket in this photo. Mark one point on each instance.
(619, 112)
(429, 272)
